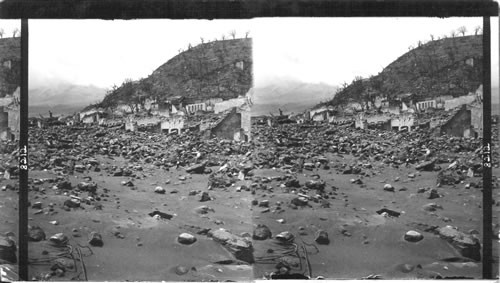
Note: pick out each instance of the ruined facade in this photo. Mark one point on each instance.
(222, 106)
(403, 122)
(172, 125)
(234, 125)
(193, 108)
(459, 101)
(467, 122)
(423, 105)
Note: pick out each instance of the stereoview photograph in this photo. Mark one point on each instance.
(241, 150)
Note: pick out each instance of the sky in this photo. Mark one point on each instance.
(315, 50)
(9, 26)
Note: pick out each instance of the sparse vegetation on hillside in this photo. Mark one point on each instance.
(448, 66)
(220, 68)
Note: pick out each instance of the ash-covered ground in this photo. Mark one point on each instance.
(298, 200)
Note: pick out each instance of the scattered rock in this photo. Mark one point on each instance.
(432, 194)
(432, 207)
(262, 232)
(159, 190)
(388, 187)
(160, 215)
(95, 239)
(413, 236)
(36, 234)
(59, 240)
(186, 239)
(181, 270)
(285, 236)
(322, 238)
(205, 197)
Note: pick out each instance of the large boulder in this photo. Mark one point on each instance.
(240, 247)
(467, 245)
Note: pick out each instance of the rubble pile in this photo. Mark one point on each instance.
(307, 189)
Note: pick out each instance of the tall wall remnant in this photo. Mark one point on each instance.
(467, 122)
(234, 125)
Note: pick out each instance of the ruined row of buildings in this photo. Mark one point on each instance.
(460, 116)
(215, 117)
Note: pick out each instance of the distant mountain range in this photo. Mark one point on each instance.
(62, 98)
(289, 96)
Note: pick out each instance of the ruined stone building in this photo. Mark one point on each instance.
(403, 122)
(222, 106)
(466, 122)
(193, 108)
(424, 105)
(92, 117)
(175, 124)
(459, 101)
(235, 124)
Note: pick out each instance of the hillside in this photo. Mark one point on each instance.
(10, 65)
(214, 69)
(451, 66)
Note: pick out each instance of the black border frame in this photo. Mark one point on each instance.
(246, 9)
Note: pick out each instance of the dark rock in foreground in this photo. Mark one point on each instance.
(467, 245)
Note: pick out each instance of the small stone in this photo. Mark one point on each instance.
(262, 232)
(159, 190)
(205, 197)
(181, 270)
(59, 239)
(36, 234)
(186, 239)
(432, 207)
(72, 203)
(37, 205)
(388, 187)
(285, 236)
(322, 238)
(413, 236)
(264, 203)
(95, 239)
(433, 194)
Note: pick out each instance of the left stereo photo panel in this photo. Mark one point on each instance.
(10, 80)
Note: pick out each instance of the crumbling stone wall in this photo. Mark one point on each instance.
(459, 101)
(246, 123)
(228, 104)
(228, 126)
(459, 124)
(477, 120)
